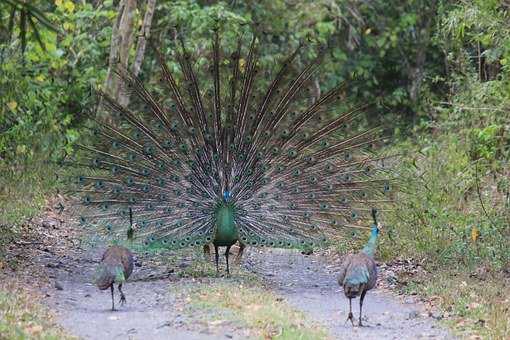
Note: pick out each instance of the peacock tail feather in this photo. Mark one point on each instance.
(215, 158)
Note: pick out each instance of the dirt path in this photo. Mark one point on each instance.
(152, 310)
(310, 285)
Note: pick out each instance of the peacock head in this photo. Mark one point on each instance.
(227, 196)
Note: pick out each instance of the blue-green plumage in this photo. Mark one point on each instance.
(226, 233)
(370, 247)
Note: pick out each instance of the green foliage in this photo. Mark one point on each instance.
(45, 95)
(27, 16)
(485, 142)
(454, 203)
(476, 27)
(383, 53)
(445, 199)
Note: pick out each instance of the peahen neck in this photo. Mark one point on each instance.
(371, 245)
(226, 230)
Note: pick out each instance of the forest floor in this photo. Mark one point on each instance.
(273, 293)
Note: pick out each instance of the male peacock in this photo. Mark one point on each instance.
(218, 160)
(358, 273)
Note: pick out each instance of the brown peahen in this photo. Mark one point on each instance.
(358, 273)
(216, 159)
(115, 268)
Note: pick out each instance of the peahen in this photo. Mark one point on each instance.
(216, 159)
(115, 268)
(358, 273)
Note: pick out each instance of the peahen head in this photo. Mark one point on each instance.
(375, 226)
(374, 230)
(227, 196)
(371, 245)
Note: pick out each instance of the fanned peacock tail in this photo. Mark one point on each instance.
(213, 153)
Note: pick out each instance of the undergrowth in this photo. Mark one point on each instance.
(21, 318)
(471, 304)
(453, 209)
(24, 190)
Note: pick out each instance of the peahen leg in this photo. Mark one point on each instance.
(122, 296)
(350, 316)
(227, 252)
(113, 301)
(361, 306)
(217, 257)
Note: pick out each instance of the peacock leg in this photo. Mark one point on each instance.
(361, 306)
(217, 257)
(240, 253)
(226, 258)
(207, 251)
(113, 301)
(122, 296)
(350, 316)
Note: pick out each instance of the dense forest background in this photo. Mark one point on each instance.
(438, 70)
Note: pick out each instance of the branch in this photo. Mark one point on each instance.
(473, 108)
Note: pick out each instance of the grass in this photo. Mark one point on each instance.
(21, 318)
(242, 300)
(266, 315)
(471, 306)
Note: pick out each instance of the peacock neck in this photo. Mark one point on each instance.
(371, 245)
(226, 231)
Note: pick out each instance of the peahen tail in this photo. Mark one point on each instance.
(296, 170)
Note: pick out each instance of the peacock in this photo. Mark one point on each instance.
(212, 152)
(358, 273)
(115, 268)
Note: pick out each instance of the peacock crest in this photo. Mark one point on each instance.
(213, 155)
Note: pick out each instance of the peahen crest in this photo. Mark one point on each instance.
(215, 157)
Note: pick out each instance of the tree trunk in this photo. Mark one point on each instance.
(114, 52)
(123, 33)
(141, 45)
(126, 28)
